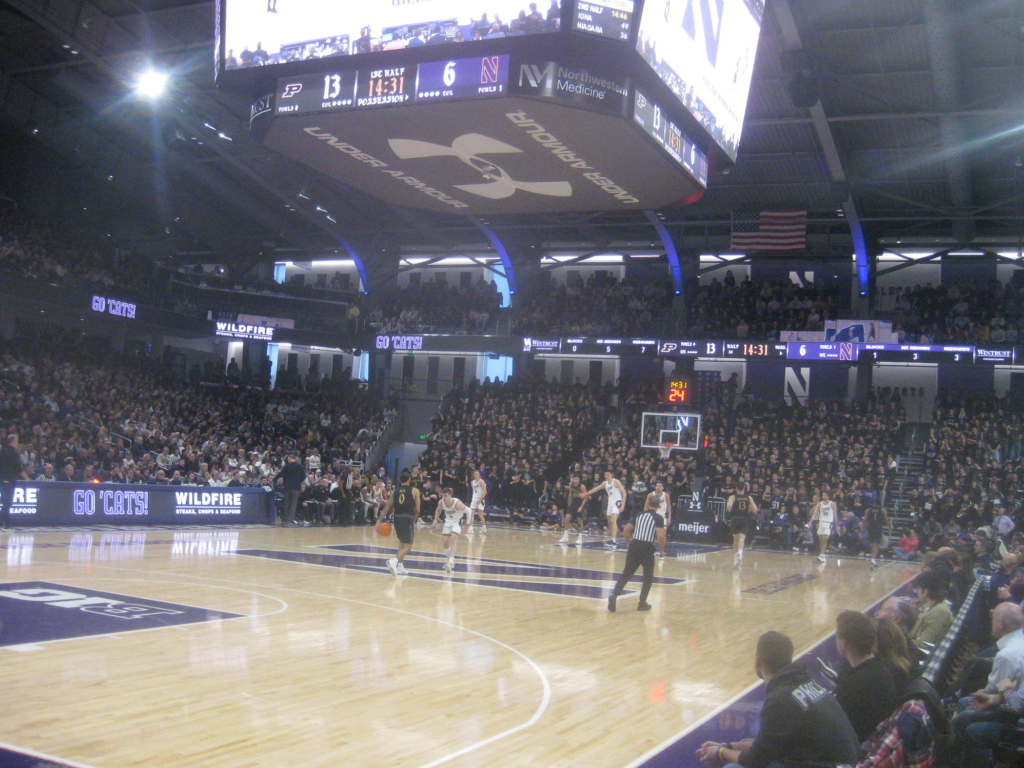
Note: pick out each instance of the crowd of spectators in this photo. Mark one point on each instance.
(521, 434)
(989, 313)
(601, 305)
(125, 421)
(434, 306)
(971, 472)
(67, 256)
(759, 310)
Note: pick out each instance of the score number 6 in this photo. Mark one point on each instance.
(449, 74)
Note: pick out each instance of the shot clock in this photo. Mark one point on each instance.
(677, 391)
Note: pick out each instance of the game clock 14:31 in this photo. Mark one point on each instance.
(385, 85)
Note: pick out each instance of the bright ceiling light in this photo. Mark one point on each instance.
(151, 84)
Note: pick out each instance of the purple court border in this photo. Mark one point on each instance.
(742, 713)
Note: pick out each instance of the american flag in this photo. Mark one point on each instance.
(769, 231)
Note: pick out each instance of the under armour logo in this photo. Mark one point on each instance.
(291, 89)
(468, 149)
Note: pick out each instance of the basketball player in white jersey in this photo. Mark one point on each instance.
(657, 502)
(455, 514)
(476, 503)
(824, 512)
(616, 502)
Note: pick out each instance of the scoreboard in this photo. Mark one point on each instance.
(607, 18)
(707, 349)
(444, 80)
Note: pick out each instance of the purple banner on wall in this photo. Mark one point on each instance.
(798, 382)
(967, 269)
(978, 380)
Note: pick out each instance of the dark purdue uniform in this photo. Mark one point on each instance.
(640, 554)
(739, 518)
(405, 513)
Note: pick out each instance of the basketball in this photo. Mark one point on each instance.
(384, 528)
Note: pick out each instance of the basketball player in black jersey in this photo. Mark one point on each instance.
(741, 508)
(405, 502)
(574, 508)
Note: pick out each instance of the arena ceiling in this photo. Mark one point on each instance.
(915, 131)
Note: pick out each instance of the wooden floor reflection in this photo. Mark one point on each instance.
(296, 647)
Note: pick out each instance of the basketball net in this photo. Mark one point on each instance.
(665, 449)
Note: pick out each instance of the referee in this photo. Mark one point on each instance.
(640, 553)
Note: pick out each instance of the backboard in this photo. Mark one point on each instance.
(680, 429)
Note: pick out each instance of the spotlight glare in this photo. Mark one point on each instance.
(151, 84)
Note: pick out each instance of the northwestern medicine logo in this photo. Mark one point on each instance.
(468, 148)
(553, 78)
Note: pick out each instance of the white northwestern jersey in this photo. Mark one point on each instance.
(478, 487)
(451, 512)
(827, 512)
(662, 502)
(614, 497)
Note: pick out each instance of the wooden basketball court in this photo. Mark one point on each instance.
(296, 647)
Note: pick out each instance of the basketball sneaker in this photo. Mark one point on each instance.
(874, 564)
(644, 607)
(821, 558)
(467, 531)
(393, 565)
(451, 564)
(564, 539)
(401, 570)
(483, 530)
(579, 541)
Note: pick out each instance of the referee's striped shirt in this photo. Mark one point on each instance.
(643, 527)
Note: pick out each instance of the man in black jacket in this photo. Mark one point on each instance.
(800, 720)
(867, 691)
(291, 477)
(11, 470)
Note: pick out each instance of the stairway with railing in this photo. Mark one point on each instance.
(910, 465)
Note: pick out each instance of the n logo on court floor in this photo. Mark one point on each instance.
(40, 611)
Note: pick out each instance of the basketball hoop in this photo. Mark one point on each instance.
(665, 449)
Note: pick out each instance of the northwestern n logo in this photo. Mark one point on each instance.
(468, 148)
(711, 12)
(796, 387)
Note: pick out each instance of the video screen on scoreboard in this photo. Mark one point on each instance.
(266, 32)
(704, 51)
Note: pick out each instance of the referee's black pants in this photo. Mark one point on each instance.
(640, 554)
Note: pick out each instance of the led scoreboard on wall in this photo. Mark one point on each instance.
(918, 353)
(471, 78)
(608, 18)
